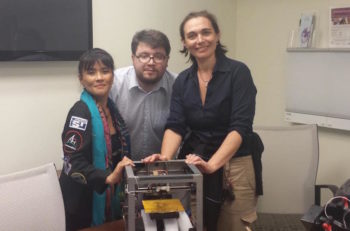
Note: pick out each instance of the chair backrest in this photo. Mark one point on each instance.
(290, 162)
(31, 200)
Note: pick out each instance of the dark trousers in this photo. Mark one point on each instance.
(212, 183)
(74, 222)
(211, 213)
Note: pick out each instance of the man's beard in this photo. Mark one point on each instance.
(148, 81)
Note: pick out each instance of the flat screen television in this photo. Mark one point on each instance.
(44, 30)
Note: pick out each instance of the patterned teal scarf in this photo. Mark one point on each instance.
(101, 152)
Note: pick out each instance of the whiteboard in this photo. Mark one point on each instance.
(318, 88)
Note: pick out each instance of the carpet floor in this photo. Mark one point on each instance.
(278, 222)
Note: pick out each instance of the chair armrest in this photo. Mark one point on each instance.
(318, 188)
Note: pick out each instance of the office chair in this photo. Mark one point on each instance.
(32, 200)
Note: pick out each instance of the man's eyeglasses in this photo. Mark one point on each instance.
(145, 58)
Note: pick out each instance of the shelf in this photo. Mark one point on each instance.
(325, 49)
(322, 121)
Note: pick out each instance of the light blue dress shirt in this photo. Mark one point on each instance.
(145, 113)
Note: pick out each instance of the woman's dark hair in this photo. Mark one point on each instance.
(220, 49)
(90, 57)
(153, 38)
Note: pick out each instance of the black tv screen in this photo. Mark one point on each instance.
(42, 30)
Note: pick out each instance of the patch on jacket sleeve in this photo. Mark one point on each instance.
(78, 123)
(72, 141)
(78, 177)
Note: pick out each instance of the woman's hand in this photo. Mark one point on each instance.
(154, 157)
(202, 165)
(124, 162)
(116, 175)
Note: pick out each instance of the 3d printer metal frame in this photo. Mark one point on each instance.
(177, 171)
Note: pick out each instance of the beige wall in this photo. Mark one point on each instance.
(36, 96)
(262, 32)
(115, 22)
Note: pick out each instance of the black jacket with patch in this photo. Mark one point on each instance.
(79, 177)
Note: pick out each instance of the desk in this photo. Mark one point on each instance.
(110, 226)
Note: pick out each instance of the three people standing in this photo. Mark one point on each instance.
(212, 107)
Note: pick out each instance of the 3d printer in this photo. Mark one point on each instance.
(158, 184)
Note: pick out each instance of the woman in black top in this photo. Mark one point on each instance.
(214, 99)
(95, 145)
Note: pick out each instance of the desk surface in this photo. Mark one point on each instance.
(110, 226)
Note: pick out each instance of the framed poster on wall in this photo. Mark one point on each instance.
(339, 25)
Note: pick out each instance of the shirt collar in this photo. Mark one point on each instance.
(222, 65)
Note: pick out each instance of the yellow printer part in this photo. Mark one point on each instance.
(162, 206)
